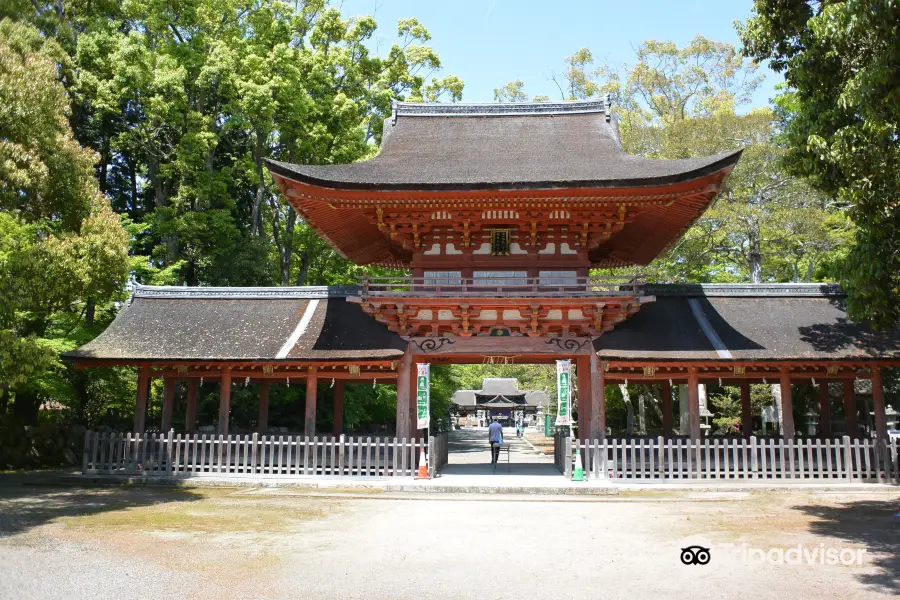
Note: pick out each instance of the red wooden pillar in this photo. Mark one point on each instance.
(824, 410)
(262, 423)
(598, 399)
(140, 407)
(585, 396)
(850, 409)
(168, 403)
(224, 401)
(190, 415)
(878, 404)
(338, 407)
(403, 371)
(787, 405)
(665, 397)
(693, 385)
(746, 410)
(312, 382)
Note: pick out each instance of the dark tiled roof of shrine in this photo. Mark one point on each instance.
(527, 145)
(241, 324)
(746, 323)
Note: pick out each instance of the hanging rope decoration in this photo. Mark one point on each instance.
(246, 382)
(373, 382)
(670, 382)
(626, 382)
(764, 380)
(201, 380)
(814, 382)
(289, 382)
(720, 382)
(332, 382)
(499, 360)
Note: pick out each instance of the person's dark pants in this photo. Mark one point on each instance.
(495, 452)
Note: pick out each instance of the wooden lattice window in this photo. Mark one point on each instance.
(500, 242)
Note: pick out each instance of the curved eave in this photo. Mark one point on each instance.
(309, 175)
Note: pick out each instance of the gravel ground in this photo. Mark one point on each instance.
(72, 543)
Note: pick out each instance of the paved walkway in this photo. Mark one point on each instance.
(470, 459)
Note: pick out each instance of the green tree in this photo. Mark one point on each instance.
(60, 243)
(841, 120)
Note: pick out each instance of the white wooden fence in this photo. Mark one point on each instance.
(757, 459)
(248, 455)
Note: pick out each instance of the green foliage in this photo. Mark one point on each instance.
(181, 105)
(840, 115)
(60, 243)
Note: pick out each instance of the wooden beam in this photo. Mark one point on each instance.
(403, 416)
(878, 404)
(224, 401)
(190, 415)
(312, 383)
(338, 390)
(263, 421)
(143, 391)
(787, 405)
(850, 409)
(598, 399)
(746, 410)
(824, 410)
(693, 388)
(585, 396)
(665, 398)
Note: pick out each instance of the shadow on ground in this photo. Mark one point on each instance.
(873, 523)
(29, 500)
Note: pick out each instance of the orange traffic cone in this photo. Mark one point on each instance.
(423, 467)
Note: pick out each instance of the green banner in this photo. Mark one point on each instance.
(564, 392)
(423, 397)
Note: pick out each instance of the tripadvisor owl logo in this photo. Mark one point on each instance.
(695, 555)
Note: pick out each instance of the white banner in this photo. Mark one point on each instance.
(423, 396)
(564, 392)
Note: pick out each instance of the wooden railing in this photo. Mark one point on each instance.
(504, 287)
(839, 459)
(176, 455)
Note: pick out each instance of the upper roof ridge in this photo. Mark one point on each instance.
(760, 290)
(244, 293)
(494, 109)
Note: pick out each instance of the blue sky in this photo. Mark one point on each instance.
(491, 42)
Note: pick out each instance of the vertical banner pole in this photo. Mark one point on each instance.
(564, 394)
(423, 396)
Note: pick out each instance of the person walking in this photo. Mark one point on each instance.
(495, 437)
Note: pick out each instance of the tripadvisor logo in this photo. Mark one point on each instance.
(801, 555)
(695, 555)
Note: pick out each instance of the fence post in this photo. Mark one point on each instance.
(568, 457)
(341, 456)
(169, 436)
(848, 459)
(432, 463)
(87, 446)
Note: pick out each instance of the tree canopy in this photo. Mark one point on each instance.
(840, 118)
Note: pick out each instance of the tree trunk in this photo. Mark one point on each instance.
(161, 201)
(287, 250)
(255, 220)
(89, 313)
(754, 253)
(304, 267)
(25, 408)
